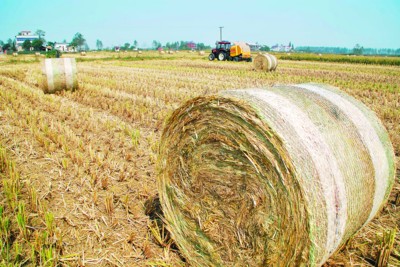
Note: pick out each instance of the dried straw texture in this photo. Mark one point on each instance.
(265, 62)
(272, 177)
(59, 74)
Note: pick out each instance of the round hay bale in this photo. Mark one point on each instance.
(59, 74)
(282, 176)
(265, 62)
(202, 53)
(83, 53)
(170, 52)
(37, 54)
(162, 52)
(139, 52)
(15, 54)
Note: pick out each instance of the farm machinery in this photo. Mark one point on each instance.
(225, 50)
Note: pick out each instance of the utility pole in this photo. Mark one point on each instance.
(220, 33)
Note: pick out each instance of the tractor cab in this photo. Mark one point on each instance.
(223, 45)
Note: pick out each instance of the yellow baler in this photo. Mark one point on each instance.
(240, 51)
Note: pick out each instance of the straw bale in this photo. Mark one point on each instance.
(59, 74)
(139, 52)
(162, 52)
(202, 53)
(282, 176)
(83, 53)
(15, 54)
(265, 62)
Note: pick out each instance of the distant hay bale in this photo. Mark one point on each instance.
(83, 53)
(202, 53)
(139, 52)
(37, 54)
(170, 52)
(281, 176)
(162, 52)
(320, 55)
(59, 74)
(177, 51)
(15, 54)
(265, 62)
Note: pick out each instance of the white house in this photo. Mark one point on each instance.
(63, 47)
(254, 47)
(282, 48)
(22, 37)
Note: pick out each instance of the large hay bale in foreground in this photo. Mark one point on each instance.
(59, 74)
(265, 62)
(272, 177)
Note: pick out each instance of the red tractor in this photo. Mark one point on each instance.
(224, 50)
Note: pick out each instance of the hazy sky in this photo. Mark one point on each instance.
(344, 23)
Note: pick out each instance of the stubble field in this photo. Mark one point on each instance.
(78, 168)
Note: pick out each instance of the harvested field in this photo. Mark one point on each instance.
(87, 158)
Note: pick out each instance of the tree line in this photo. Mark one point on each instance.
(356, 50)
(79, 43)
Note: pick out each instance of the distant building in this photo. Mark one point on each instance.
(191, 45)
(282, 48)
(64, 47)
(254, 47)
(22, 37)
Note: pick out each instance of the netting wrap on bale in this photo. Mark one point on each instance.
(59, 74)
(272, 177)
(265, 62)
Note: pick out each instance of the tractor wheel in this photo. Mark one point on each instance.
(211, 57)
(221, 56)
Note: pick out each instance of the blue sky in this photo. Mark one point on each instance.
(343, 23)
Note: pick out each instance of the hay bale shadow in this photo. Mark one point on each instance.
(157, 226)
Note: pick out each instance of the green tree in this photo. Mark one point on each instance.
(156, 44)
(26, 45)
(265, 48)
(78, 41)
(358, 50)
(6, 47)
(52, 44)
(41, 34)
(126, 46)
(135, 44)
(14, 46)
(99, 44)
(37, 44)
